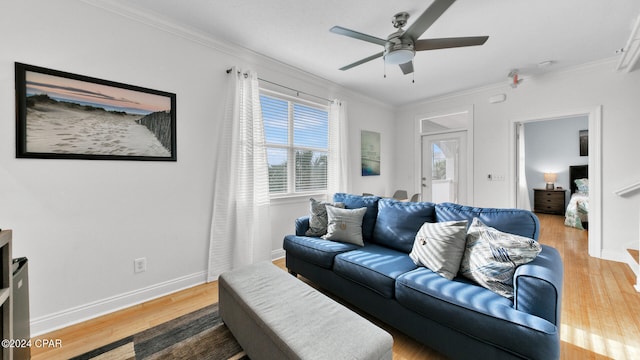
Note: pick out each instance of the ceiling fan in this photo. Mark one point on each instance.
(400, 47)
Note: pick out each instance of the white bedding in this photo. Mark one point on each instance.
(577, 210)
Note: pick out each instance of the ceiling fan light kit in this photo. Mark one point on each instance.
(400, 47)
(399, 56)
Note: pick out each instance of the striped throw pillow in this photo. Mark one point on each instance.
(491, 257)
(440, 246)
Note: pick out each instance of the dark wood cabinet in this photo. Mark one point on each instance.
(549, 201)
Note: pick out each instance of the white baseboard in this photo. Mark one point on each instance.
(624, 257)
(277, 254)
(633, 264)
(614, 255)
(64, 318)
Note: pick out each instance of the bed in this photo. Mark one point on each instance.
(577, 213)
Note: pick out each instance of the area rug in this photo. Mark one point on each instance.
(198, 335)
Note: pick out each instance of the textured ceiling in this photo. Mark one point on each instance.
(522, 33)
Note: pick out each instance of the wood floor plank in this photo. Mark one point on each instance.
(599, 317)
(80, 338)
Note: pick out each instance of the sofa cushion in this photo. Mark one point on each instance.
(374, 267)
(491, 257)
(318, 216)
(345, 225)
(472, 310)
(514, 221)
(440, 246)
(357, 201)
(315, 250)
(398, 223)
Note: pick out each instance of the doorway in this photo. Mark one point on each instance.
(595, 169)
(444, 167)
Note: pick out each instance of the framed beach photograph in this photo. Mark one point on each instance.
(60, 115)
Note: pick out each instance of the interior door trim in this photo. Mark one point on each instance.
(417, 165)
(595, 168)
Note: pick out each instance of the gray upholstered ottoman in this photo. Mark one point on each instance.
(276, 316)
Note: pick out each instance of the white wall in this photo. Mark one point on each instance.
(577, 90)
(81, 223)
(362, 115)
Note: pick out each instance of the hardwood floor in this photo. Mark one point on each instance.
(600, 305)
(635, 254)
(80, 338)
(600, 309)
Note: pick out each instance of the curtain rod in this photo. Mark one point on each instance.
(298, 92)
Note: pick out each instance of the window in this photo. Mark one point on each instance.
(297, 141)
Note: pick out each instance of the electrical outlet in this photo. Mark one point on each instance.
(140, 265)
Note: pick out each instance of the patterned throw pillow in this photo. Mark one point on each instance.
(318, 217)
(440, 246)
(345, 225)
(582, 185)
(491, 257)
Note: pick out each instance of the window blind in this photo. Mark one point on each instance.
(297, 143)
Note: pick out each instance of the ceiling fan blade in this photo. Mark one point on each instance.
(428, 17)
(360, 62)
(407, 68)
(357, 35)
(444, 43)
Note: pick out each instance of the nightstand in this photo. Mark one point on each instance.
(549, 201)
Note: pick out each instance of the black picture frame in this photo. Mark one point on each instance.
(60, 115)
(584, 142)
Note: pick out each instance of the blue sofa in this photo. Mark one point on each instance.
(458, 318)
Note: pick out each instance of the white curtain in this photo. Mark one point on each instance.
(522, 196)
(240, 224)
(338, 164)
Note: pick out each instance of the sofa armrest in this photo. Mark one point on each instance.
(538, 286)
(302, 225)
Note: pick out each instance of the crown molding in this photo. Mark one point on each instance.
(162, 23)
(504, 86)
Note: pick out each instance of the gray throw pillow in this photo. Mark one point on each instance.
(440, 246)
(345, 225)
(318, 216)
(491, 257)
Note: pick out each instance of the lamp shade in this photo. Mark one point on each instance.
(550, 178)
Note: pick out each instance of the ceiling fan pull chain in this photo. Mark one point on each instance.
(384, 67)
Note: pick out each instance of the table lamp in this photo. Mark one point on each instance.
(550, 178)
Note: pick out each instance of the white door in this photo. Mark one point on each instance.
(444, 167)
